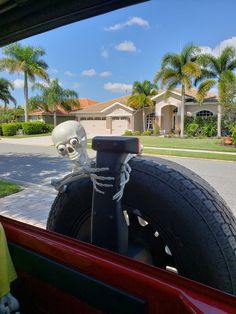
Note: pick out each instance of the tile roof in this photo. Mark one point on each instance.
(96, 108)
(210, 97)
(82, 103)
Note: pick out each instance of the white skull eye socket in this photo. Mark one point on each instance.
(73, 141)
(61, 148)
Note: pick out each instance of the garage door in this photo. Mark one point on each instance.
(94, 127)
(119, 125)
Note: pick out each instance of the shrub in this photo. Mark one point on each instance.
(192, 129)
(1, 130)
(209, 130)
(33, 127)
(47, 128)
(206, 126)
(137, 133)
(146, 133)
(233, 131)
(9, 129)
(128, 133)
(155, 130)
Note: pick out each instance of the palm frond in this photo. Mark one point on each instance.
(203, 89)
(225, 58)
(172, 60)
(188, 53)
(192, 69)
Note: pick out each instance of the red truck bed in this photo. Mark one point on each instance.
(63, 275)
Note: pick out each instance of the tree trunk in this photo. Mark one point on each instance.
(219, 120)
(55, 118)
(26, 95)
(182, 112)
(144, 124)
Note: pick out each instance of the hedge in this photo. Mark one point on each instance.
(10, 129)
(33, 128)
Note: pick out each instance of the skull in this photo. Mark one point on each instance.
(70, 140)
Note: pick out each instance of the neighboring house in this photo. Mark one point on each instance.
(167, 110)
(109, 117)
(62, 114)
(114, 116)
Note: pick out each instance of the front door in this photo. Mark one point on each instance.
(174, 122)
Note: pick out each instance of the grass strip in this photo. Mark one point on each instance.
(7, 188)
(191, 154)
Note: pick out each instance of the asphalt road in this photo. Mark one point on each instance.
(38, 165)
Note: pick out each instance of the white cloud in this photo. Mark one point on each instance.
(18, 83)
(76, 85)
(53, 70)
(104, 53)
(126, 45)
(105, 74)
(90, 72)
(45, 84)
(118, 87)
(219, 48)
(70, 74)
(130, 22)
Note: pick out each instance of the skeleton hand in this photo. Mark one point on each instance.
(124, 177)
(95, 179)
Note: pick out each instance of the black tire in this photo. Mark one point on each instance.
(186, 218)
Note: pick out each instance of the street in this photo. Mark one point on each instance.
(33, 164)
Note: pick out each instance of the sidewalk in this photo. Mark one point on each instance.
(37, 140)
(30, 206)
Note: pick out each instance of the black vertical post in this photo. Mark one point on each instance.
(109, 227)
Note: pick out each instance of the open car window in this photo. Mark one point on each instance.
(121, 68)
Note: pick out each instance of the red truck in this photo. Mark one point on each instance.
(130, 267)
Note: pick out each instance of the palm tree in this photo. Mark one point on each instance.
(217, 70)
(178, 70)
(26, 60)
(5, 93)
(52, 96)
(141, 96)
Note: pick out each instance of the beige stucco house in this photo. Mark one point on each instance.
(114, 116)
(167, 110)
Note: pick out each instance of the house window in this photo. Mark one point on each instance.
(175, 110)
(150, 119)
(204, 113)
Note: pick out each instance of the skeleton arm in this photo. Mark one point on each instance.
(61, 184)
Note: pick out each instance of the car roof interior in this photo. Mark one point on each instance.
(24, 18)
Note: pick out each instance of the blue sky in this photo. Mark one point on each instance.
(101, 57)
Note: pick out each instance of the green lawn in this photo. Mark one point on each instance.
(187, 143)
(7, 188)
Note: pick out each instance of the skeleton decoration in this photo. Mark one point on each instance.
(70, 140)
